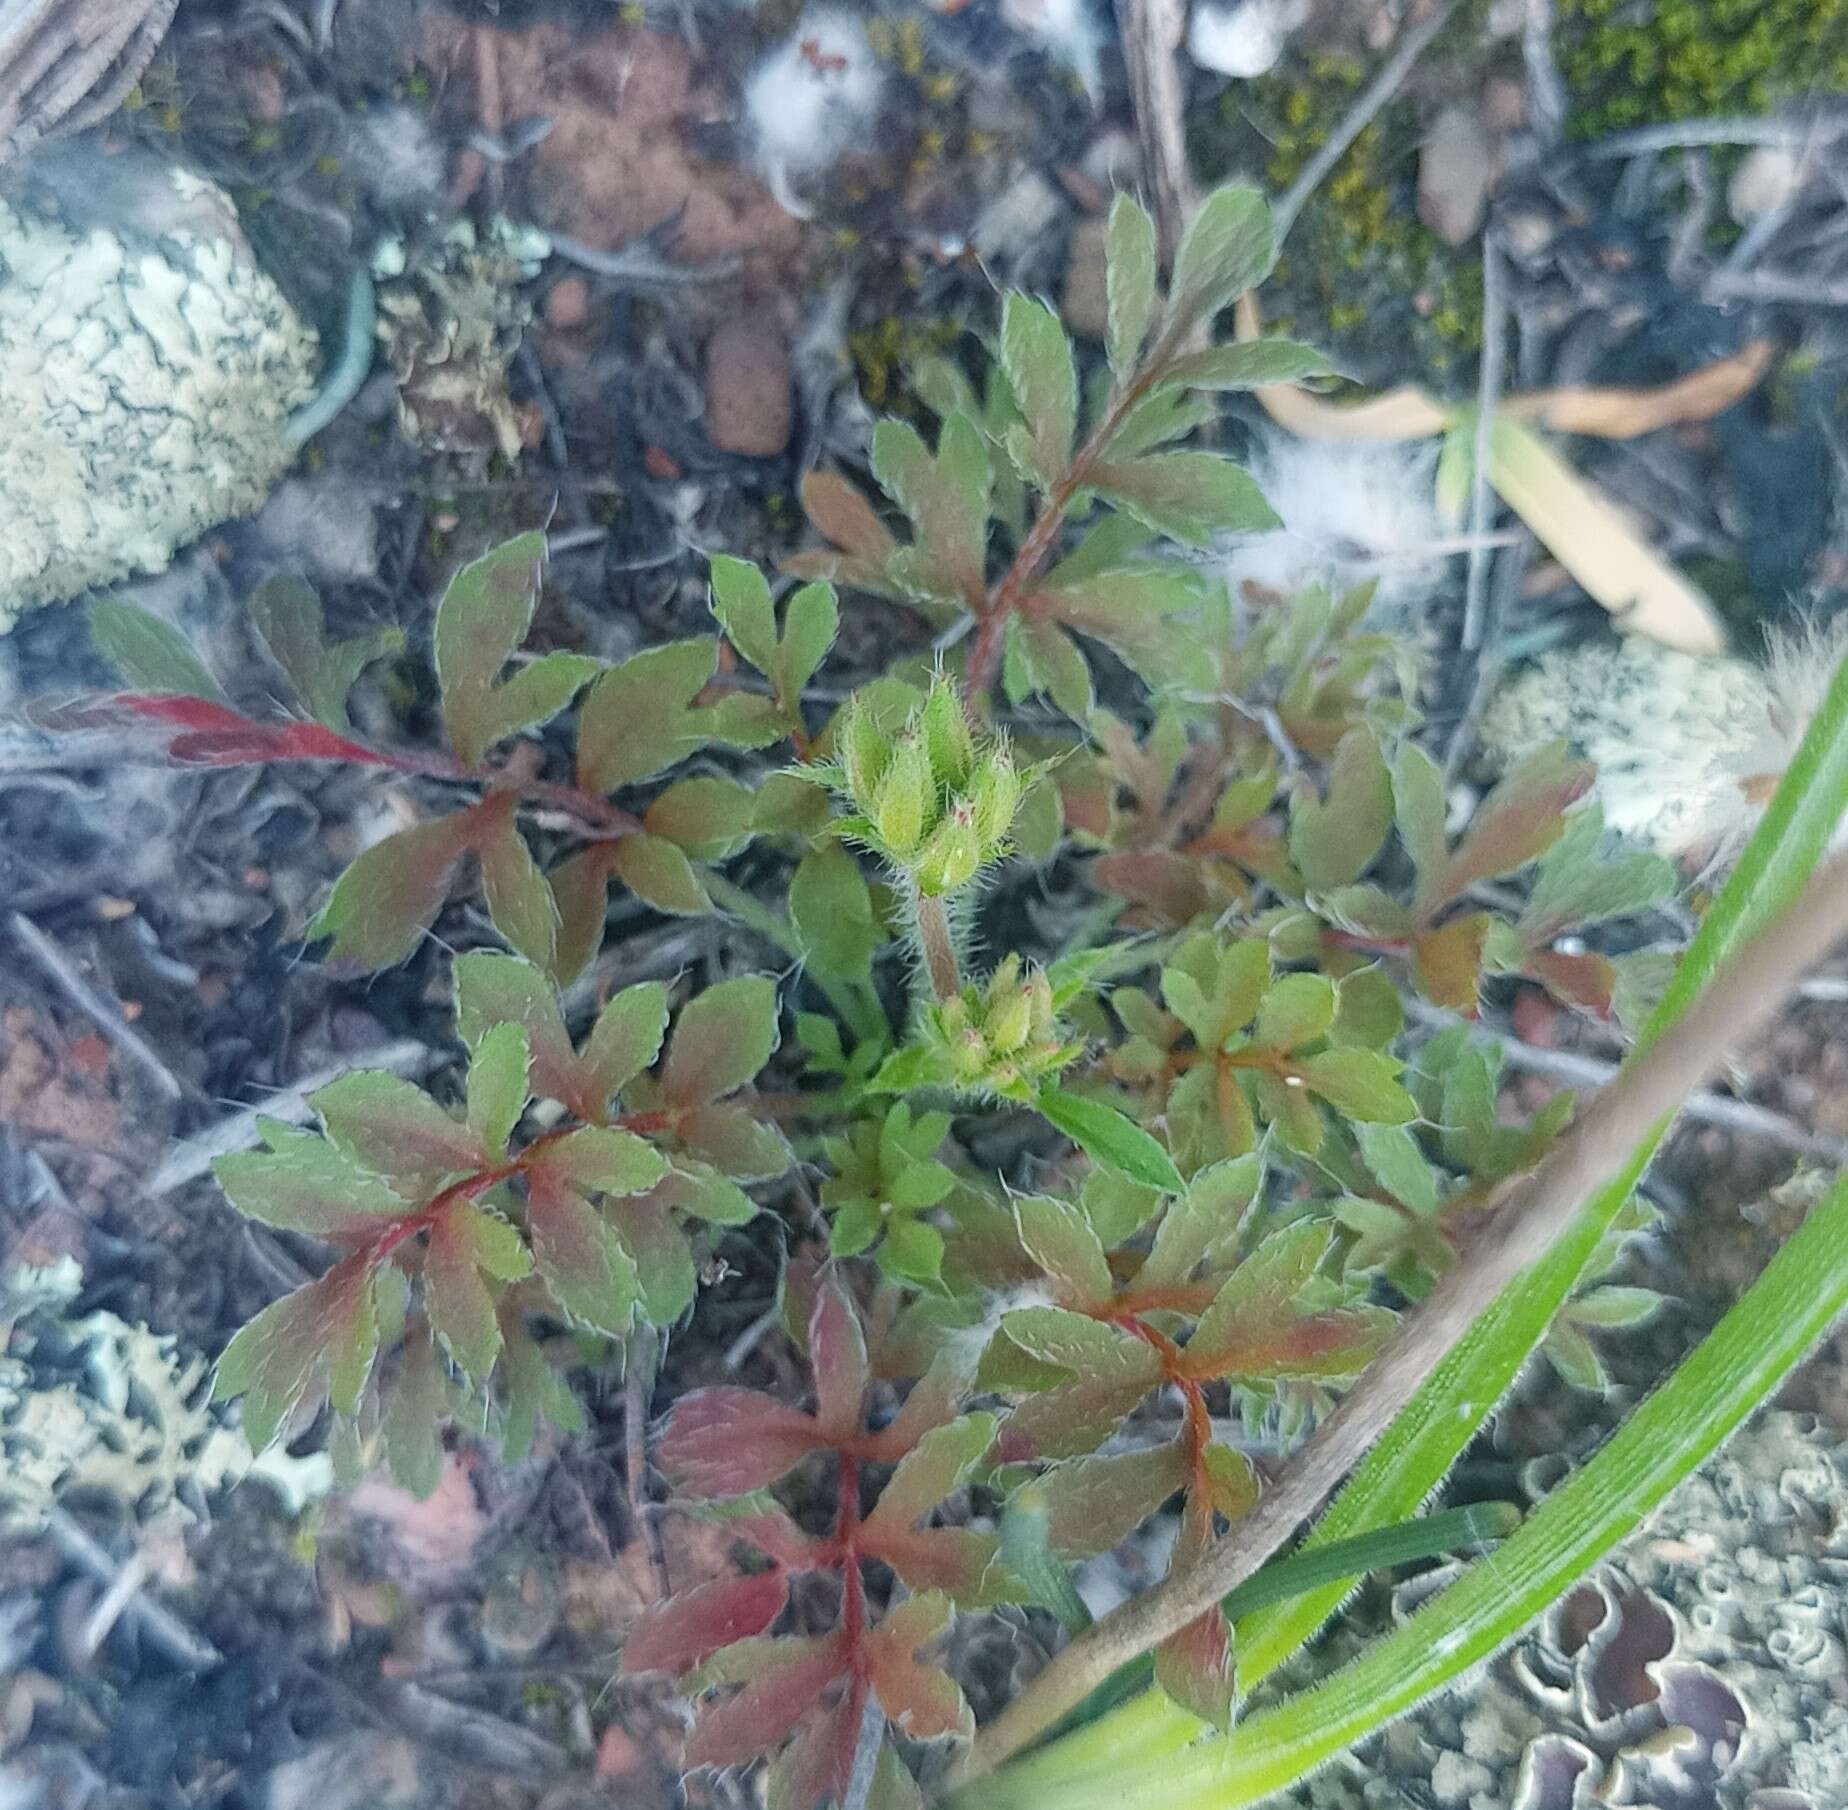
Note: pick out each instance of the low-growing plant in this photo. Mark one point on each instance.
(1249, 1211)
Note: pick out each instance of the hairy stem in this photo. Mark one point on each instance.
(938, 945)
(1534, 1209)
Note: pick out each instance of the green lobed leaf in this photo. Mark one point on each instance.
(151, 654)
(518, 898)
(1129, 282)
(493, 989)
(721, 1039)
(456, 1299)
(1059, 1239)
(1192, 497)
(1253, 365)
(389, 895)
(1036, 358)
(1297, 1009)
(480, 622)
(659, 874)
(603, 1159)
(304, 1183)
(497, 1086)
(708, 817)
(393, 1128)
(1108, 1137)
(741, 600)
(414, 1411)
(578, 1256)
(832, 909)
(286, 614)
(625, 1040)
(1335, 841)
(1228, 247)
(638, 720)
(1361, 1084)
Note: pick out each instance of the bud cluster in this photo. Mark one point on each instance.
(933, 799)
(1002, 1038)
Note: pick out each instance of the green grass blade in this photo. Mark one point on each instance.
(1427, 1437)
(1480, 1525)
(1730, 1374)
(1413, 1457)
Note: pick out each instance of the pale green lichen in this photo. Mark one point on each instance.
(149, 368)
(92, 1405)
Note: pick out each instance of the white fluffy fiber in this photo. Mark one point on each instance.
(1243, 39)
(1350, 512)
(814, 96)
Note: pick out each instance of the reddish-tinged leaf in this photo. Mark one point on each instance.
(1586, 980)
(518, 898)
(1094, 1503)
(761, 1716)
(659, 874)
(502, 989)
(706, 816)
(625, 1039)
(1230, 1484)
(958, 1560)
(414, 1411)
(1058, 1237)
(844, 515)
(580, 890)
(330, 1324)
(1168, 887)
(942, 1461)
(728, 1137)
(393, 1128)
(778, 1538)
(676, 1635)
(578, 1256)
(723, 1037)
(932, 1403)
(1190, 496)
(303, 1183)
(728, 1442)
(921, 1700)
(387, 898)
(1517, 823)
(1197, 1669)
(817, 1766)
(457, 1300)
(1071, 1419)
(837, 1355)
(1448, 962)
(637, 719)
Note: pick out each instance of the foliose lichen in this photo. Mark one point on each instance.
(1701, 1669)
(149, 369)
(92, 1405)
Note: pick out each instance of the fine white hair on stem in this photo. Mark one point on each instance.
(1349, 513)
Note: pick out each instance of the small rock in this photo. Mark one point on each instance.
(1455, 172)
(567, 305)
(748, 406)
(1770, 178)
(1085, 303)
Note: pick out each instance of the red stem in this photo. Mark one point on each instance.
(1008, 592)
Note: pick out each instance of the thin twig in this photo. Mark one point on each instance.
(1151, 32)
(1546, 93)
(171, 1636)
(866, 1749)
(188, 1161)
(1534, 1209)
(105, 1014)
(1577, 1070)
(1488, 398)
(1358, 117)
(1775, 286)
(1679, 135)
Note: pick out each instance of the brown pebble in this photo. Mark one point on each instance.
(748, 406)
(1086, 302)
(567, 305)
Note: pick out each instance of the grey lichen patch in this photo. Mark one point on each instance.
(1666, 731)
(148, 367)
(95, 1406)
(450, 321)
(1704, 1668)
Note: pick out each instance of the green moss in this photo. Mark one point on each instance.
(883, 352)
(1627, 64)
(1362, 273)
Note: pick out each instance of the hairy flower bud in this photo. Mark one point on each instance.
(950, 858)
(994, 796)
(1009, 1023)
(947, 736)
(902, 801)
(865, 752)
